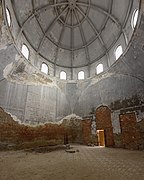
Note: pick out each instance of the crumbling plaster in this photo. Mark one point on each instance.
(34, 97)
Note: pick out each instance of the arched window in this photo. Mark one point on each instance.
(81, 75)
(63, 75)
(99, 69)
(25, 51)
(118, 52)
(44, 68)
(8, 16)
(134, 18)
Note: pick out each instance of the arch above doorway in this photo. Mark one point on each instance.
(104, 124)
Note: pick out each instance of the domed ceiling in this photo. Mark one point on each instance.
(72, 33)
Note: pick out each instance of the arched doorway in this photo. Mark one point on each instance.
(104, 127)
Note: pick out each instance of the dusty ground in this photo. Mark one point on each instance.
(90, 163)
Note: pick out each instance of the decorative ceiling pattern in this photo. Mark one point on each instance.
(72, 33)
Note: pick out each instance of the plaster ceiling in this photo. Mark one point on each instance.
(72, 33)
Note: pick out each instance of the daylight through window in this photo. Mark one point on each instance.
(25, 51)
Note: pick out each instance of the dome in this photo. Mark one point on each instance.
(72, 35)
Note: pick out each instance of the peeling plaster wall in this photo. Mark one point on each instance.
(38, 103)
(121, 88)
(124, 81)
(111, 91)
(14, 136)
(26, 93)
(33, 104)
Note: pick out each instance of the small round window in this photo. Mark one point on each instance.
(134, 18)
(8, 16)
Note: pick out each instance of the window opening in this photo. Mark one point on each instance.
(134, 18)
(63, 75)
(99, 69)
(25, 51)
(81, 75)
(8, 16)
(44, 68)
(118, 51)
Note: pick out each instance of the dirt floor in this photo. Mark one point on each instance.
(87, 163)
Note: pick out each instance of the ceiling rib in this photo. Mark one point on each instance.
(49, 28)
(59, 4)
(98, 35)
(72, 42)
(83, 37)
(60, 38)
(109, 11)
(100, 9)
(112, 17)
(94, 29)
(38, 11)
(75, 25)
(126, 19)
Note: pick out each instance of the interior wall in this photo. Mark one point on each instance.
(122, 86)
(15, 136)
(31, 103)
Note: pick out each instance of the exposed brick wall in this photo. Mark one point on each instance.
(79, 131)
(49, 134)
(86, 131)
(103, 122)
(130, 132)
(22, 136)
(103, 118)
(140, 126)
